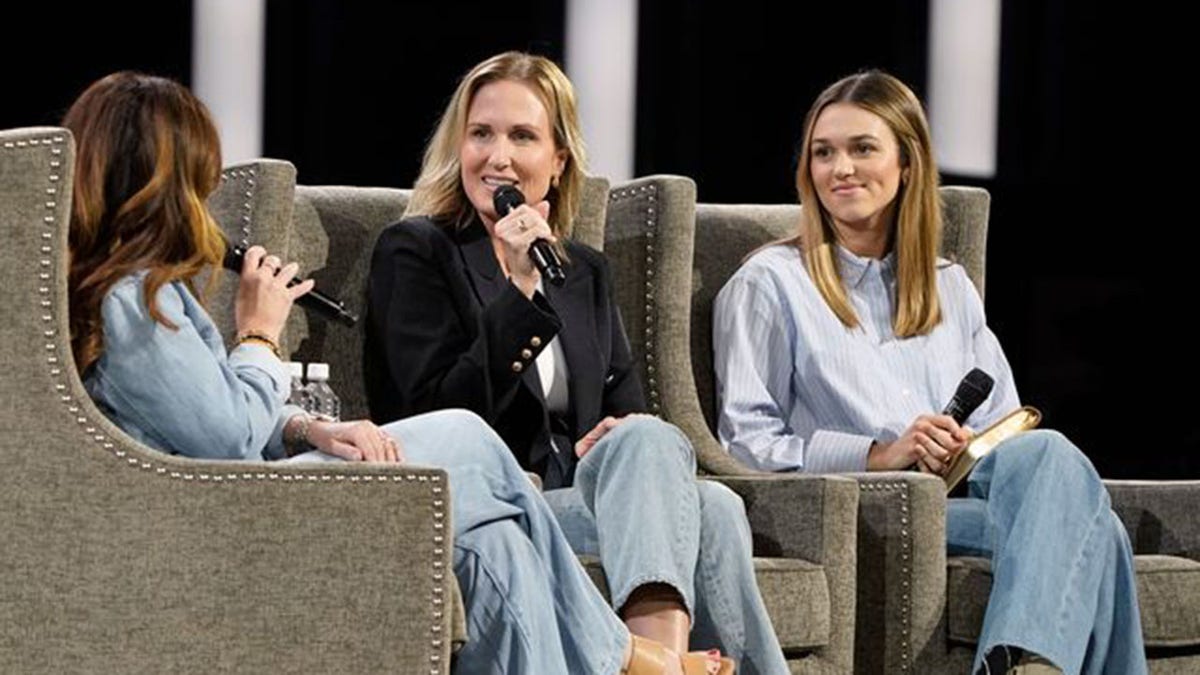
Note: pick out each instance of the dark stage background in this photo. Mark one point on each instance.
(1089, 274)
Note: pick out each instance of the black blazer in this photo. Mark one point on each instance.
(446, 329)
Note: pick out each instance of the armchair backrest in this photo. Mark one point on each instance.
(648, 240)
(253, 205)
(334, 232)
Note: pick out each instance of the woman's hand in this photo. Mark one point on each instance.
(931, 442)
(263, 297)
(584, 445)
(358, 441)
(515, 233)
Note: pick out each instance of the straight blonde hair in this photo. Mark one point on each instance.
(917, 230)
(439, 191)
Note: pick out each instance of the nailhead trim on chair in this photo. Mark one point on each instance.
(651, 194)
(59, 380)
(905, 567)
(248, 205)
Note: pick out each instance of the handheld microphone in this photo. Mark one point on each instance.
(505, 199)
(972, 392)
(315, 300)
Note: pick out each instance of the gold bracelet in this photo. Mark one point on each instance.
(261, 338)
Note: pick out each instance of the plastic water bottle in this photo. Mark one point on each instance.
(323, 400)
(299, 395)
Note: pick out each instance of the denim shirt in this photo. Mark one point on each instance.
(799, 391)
(177, 390)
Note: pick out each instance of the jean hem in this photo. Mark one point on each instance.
(620, 598)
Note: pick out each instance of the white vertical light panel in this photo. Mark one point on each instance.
(964, 84)
(228, 38)
(601, 58)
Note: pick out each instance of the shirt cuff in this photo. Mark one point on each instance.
(837, 452)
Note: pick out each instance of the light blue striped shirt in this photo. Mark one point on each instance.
(798, 391)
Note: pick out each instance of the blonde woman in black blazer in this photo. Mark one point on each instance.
(458, 316)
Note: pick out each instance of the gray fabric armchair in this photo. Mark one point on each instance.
(118, 558)
(916, 610)
(804, 526)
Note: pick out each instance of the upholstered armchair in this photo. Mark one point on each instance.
(804, 526)
(916, 610)
(118, 558)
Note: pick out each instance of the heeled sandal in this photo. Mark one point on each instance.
(650, 658)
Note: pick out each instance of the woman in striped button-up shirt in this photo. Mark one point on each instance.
(835, 349)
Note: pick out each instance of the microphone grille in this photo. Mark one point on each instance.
(506, 198)
(974, 388)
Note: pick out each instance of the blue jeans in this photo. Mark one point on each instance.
(1063, 584)
(531, 607)
(636, 503)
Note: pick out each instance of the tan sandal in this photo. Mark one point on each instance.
(650, 658)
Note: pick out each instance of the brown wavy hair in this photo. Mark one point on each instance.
(917, 230)
(147, 157)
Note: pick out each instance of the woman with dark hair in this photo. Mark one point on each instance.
(147, 159)
(835, 348)
(458, 316)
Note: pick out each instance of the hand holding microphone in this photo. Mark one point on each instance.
(932, 441)
(524, 230)
(265, 294)
(259, 299)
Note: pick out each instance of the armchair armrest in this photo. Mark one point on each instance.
(901, 572)
(135, 561)
(1160, 515)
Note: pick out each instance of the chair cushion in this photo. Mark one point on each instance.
(1168, 592)
(795, 592)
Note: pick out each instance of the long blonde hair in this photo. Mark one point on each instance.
(917, 231)
(439, 191)
(147, 157)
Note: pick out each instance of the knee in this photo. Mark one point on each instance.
(722, 511)
(1052, 444)
(456, 437)
(1120, 534)
(1051, 456)
(1048, 449)
(655, 441)
(462, 420)
(473, 429)
(452, 421)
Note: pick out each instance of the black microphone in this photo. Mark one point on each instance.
(972, 391)
(505, 199)
(315, 300)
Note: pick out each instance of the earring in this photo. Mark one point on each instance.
(554, 181)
